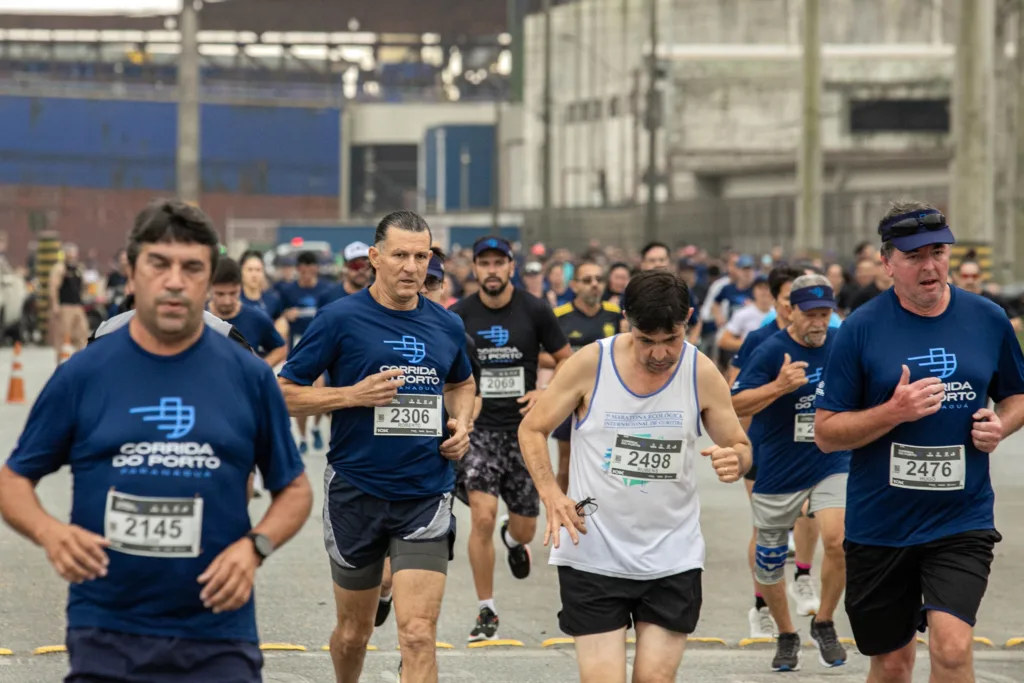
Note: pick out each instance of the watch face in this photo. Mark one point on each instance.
(263, 545)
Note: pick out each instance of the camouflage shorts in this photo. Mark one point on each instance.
(494, 465)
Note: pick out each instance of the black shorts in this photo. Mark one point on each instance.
(592, 603)
(751, 474)
(563, 432)
(99, 656)
(889, 591)
(495, 465)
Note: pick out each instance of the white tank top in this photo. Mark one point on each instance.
(635, 456)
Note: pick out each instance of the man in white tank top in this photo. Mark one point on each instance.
(631, 551)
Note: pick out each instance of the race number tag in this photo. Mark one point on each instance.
(927, 468)
(502, 382)
(153, 527)
(803, 428)
(409, 415)
(646, 459)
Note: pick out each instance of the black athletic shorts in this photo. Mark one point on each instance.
(889, 591)
(592, 603)
(751, 473)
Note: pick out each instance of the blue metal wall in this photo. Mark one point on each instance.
(337, 236)
(118, 144)
(478, 142)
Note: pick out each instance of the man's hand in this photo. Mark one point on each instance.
(530, 399)
(457, 444)
(561, 511)
(77, 555)
(987, 431)
(911, 402)
(725, 461)
(379, 389)
(291, 314)
(229, 577)
(791, 375)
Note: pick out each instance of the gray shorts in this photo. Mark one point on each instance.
(775, 515)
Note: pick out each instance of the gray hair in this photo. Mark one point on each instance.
(812, 280)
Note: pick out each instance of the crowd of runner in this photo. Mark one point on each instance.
(430, 377)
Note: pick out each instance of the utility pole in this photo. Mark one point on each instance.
(1005, 99)
(1018, 224)
(546, 149)
(188, 103)
(653, 123)
(809, 223)
(972, 178)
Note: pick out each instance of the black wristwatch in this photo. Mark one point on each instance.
(263, 545)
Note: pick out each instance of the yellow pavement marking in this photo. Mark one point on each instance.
(848, 641)
(282, 647)
(1014, 642)
(755, 641)
(983, 641)
(49, 650)
(496, 643)
(551, 642)
(4, 652)
(438, 644)
(717, 641)
(369, 648)
(922, 641)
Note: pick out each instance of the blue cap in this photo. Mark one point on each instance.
(435, 268)
(498, 244)
(809, 298)
(745, 261)
(937, 232)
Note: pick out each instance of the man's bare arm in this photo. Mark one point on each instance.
(750, 402)
(1011, 413)
(460, 401)
(374, 390)
(21, 507)
(289, 509)
(277, 356)
(852, 429)
(716, 409)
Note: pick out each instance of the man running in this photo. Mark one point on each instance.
(906, 388)
(257, 328)
(776, 387)
(66, 310)
(401, 395)
(584, 320)
(161, 424)
(805, 531)
(632, 553)
(357, 274)
(509, 327)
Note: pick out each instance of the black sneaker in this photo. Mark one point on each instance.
(519, 558)
(399, 671)
(830, 650)
(787, 653)
(383, 610)
(486, 626)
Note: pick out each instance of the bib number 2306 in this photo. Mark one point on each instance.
(409, 415)
(645, 459)
(153, 527)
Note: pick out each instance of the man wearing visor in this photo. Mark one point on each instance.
(777, 387)
(906, 389)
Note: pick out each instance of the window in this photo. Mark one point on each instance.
(899, 116)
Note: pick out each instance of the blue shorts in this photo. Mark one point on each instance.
(360, 530)
(563, 432)
(99, 656)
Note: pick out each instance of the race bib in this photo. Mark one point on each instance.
(409, 415)
(803, 428)
(502, 382)
(646, 459)
(153, 527)
(927, 468)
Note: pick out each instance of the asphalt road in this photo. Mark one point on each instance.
(296, 609)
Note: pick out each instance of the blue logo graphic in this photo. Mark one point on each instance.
(815, 376)
(818, 292)
(171, 416)
(938, 362)
(497, 335)
(412, 350)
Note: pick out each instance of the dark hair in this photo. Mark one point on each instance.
(307, 258)
(860, 247)
(779, 276)
(249, 254)
(657, 301)
(403, 220)
(584, 262)
(654, 245)
(617, 265)
(968, 262)
(439, 253)
(171, 220)
(227, 273)
(901, 206)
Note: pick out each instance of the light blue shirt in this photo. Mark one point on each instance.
(834, 321)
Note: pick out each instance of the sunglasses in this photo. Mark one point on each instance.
(358, 264)
(432, 284)
(591, 280)
(913, 225)
(586, 507)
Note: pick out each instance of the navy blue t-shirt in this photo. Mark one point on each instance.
(736, 297)
(183, 427)
(787, 458)
(307, 300)
(751, 342)
(356, 337)
(892, 497)
(258, 329)
(332, 294)
(269, 303)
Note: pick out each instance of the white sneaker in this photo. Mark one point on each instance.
(761, 623)
(807, 601)
(792, 545)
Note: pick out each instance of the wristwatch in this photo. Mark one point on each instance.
(263, 545)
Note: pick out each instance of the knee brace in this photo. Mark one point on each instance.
(771, 551)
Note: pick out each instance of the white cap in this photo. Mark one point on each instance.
(356, 250)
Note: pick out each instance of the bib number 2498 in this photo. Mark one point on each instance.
(646, 459)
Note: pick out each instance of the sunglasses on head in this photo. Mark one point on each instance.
(911, 225)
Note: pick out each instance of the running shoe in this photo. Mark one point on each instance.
(807, 600)
(830, 651)
(383, 610)
(303, 448)
(792, 545)
(519, 558)
(318, 440)
(486, 626)
(399, 671)
(787, 653)
(761, 623)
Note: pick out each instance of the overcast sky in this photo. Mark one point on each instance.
(90, 6)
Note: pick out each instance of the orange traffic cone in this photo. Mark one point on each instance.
(66, 350)
(16, 387)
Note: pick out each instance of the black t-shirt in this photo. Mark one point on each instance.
(508, 342)
(474, 362)
(865, 295)
(1007, 305)
(582, 329)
